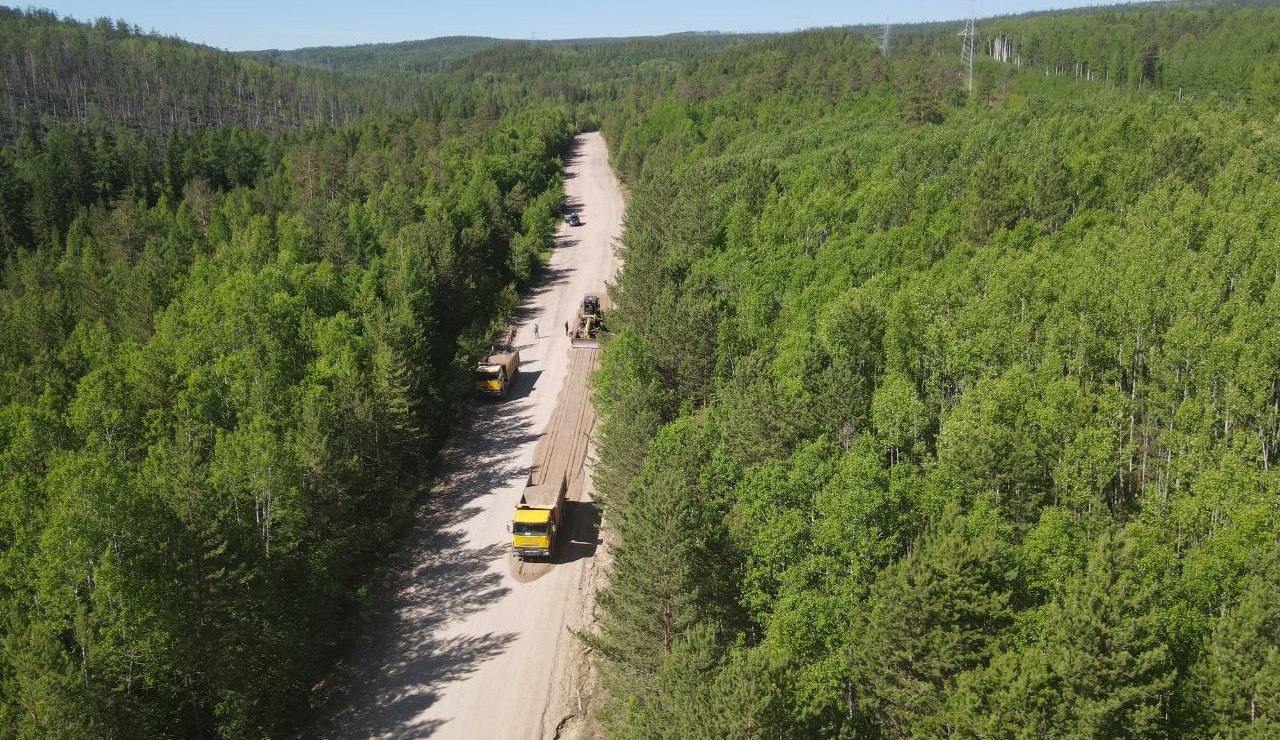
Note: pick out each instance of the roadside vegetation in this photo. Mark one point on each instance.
(932, 415)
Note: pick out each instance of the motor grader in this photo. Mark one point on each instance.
(585, 333)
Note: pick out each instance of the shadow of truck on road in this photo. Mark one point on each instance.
(582, 523)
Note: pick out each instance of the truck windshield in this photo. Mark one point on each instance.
(529, 530)
(483, 375)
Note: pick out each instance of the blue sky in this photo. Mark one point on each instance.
(288, 24)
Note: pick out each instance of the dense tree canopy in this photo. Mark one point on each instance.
(927, 414)
(222, 373)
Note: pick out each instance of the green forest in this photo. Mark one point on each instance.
(229, 355)
(932, 415)
(927, 412)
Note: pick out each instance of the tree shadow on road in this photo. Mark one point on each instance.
(439, 580)
(571, 158)
(551, 277)
(450, 582)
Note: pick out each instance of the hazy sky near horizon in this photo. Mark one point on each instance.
(240, 25)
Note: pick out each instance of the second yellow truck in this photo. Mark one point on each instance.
(497, 373)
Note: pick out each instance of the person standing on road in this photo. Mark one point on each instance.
(535, 332)
(566, 328)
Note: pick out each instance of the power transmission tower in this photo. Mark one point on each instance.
(969, 41)
(884, 40)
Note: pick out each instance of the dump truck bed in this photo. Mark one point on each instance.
(545, 496)
(502, 358)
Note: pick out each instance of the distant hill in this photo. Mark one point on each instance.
(111, 73)
(405, 56)
(460, 78)
(451, 52)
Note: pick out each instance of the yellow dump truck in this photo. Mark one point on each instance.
(538, 518)
(497, 373)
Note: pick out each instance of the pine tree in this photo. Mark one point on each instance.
(649, 607)
(1238, 679)
(933, 615)
(1102, 669)
(748, 698)
(703, 692)
(1107, 651)
(650, 599)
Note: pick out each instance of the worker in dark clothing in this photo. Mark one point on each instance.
(566, 328)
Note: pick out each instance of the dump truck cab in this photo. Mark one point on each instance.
(532, 533)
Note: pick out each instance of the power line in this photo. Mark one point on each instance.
(968, 43)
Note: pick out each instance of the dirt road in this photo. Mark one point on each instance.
(475, 644)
